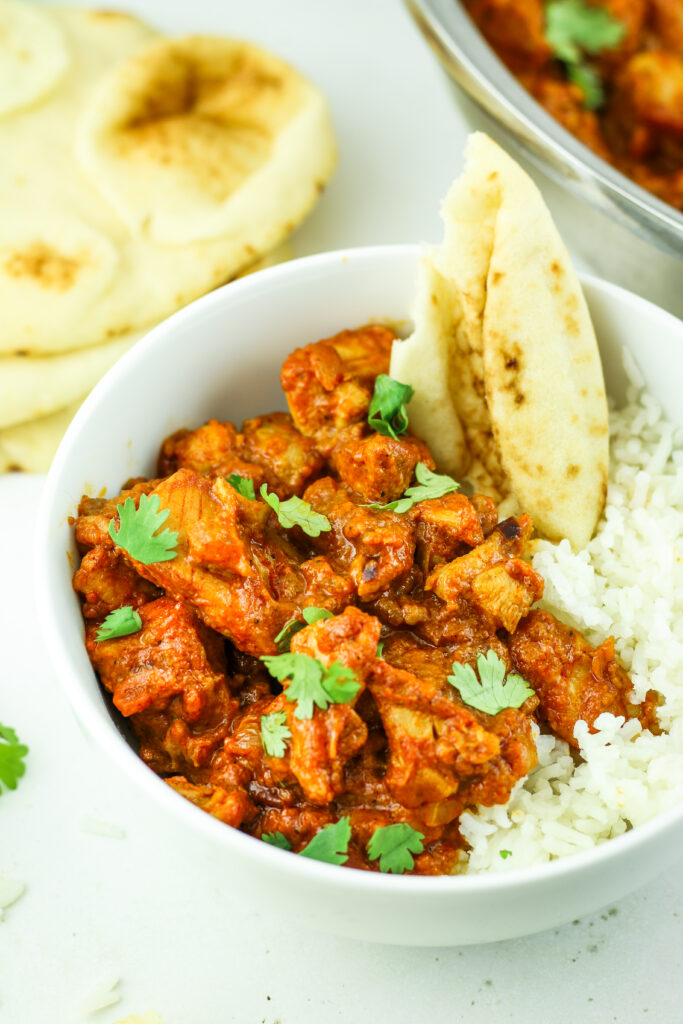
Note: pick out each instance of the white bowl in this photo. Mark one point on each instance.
(221, 357)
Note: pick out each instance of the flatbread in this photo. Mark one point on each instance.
(198, 138)
(30, 447)
(35, 386)
(33, 56)
(542, 376)
(523, 375)
(73, 272)
(425, 360)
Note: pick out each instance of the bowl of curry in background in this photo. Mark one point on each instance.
(629, 228)
(230, 345)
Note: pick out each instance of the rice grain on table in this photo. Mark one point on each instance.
(628, 583)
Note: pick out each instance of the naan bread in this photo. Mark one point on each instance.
(426, 361)
(30, 447)
(198, 138)
(34, 386)
(525, 376)
(73, 273)
(33, 56)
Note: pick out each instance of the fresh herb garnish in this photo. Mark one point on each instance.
(490, 693)
(505, 854)
(330, 844)
(137, 531)
(244, 485)
(574, 28)
(380, 648)
(311, 683)
(387, 412)
(429, 485)
(395, 846)
(311, 615)
(296, 512)
(12, 754)
(275, 733)
(276, 839)
(120, 622)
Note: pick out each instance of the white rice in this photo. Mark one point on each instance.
(628, 583)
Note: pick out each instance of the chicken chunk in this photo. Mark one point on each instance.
(169, 678)
(290, 460)
(213, 449)
(95, 514)
(515, 29)
(437, 744)
(321, 745)
(242, 577)
(106, 582)
(446, 528)
(230, 806)
(378, 468)
(492, 576)
(329, 385)
(374, 546)
(574, 681)
(645, 116)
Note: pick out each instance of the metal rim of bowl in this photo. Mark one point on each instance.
(469, 59)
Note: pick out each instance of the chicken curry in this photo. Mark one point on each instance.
(329, 646)
(610, 71)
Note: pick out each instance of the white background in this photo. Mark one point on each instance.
(150, 907)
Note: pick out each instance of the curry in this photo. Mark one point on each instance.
(610, 71)
(329, 645)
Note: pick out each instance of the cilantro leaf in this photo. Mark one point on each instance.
(380, 648)
(121, 622)
(275, 733)
(588, 81)
(395, 845)
(311, 615)
(310, 683)
(137, 531)
(12, 754)
(505, 854)
(489, 693)
(276, 839)
(340, 683)
(387, 412)
(429, 485)
(330, 844)
(574, 28)
(244, 485)
(296, 512)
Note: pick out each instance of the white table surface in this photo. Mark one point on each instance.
(149, 907)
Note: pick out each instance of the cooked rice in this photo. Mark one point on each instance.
(627, 583)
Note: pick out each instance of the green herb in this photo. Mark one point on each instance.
(296, 512)
(387, 413)
(380, 649)
(12, 754)
(429, 485)
(244, 485)
(121, 622)
(311, 615)
(311, 683)
(275, 733)
(276, 839)
(395, 845)
(505, 854)
(574, 28)
(137, 531)
(588, 81)
(490, 693)
(330, 844)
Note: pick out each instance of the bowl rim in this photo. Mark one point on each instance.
(104, 732)
(472, 62)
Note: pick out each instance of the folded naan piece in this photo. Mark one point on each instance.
(527, 380)
(132, 180)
